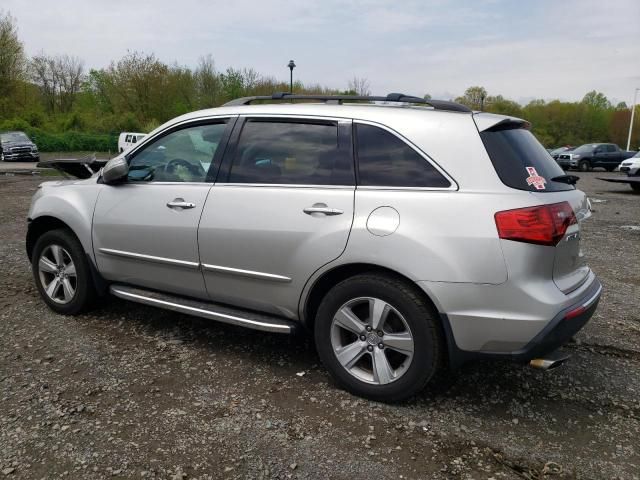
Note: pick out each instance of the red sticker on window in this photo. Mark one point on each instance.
(535, 179)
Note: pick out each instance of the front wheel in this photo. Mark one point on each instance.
(378, 337)
(584, 166)
(62, 273)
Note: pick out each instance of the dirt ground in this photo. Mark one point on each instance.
(129, 391)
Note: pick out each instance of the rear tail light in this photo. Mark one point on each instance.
(542, 225)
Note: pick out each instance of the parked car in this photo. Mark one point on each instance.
(555, 152)
(592, 155)
(632, 168)
(405, 238)
(17, 146)
(126, 140)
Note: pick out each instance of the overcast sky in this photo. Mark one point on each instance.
(520, 49)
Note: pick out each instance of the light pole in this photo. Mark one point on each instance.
(291, 66)
(633, 111)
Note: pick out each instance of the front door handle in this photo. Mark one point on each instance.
(180, 203)
(322, 208)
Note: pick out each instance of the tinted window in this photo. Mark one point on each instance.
(385, 160)
(611, 148)
(181, 156)
(521, 162)
(128, 138)
(291, 153)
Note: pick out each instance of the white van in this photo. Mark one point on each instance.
(126, 140)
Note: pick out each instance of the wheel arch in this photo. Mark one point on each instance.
(41, 225)
(331, 277)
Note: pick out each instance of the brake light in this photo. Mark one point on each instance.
(542, 225)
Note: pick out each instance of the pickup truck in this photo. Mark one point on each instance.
(591, 155)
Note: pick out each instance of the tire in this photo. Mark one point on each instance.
(635, 187)
(69, 296)
(408, 314)
(584, 166)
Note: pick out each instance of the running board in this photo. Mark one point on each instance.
(198, 308)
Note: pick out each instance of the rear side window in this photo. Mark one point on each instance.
(294, 153)
(521, 162)
(384, 160)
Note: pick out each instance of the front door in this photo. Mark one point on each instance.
(145, 231)
(281, 209)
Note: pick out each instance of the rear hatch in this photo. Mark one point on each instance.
(522, 163)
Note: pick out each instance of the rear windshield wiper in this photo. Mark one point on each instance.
(568, 179)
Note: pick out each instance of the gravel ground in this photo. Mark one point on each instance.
(134, 392)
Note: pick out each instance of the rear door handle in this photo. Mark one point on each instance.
(180, 203)
(322, 208)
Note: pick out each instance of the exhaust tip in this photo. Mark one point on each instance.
(550, 362)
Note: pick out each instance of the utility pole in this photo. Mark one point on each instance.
(633, 111)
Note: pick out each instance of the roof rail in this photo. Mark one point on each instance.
(392, 97)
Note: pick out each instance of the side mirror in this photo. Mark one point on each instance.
(115, 170)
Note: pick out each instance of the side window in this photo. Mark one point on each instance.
(134, 139)
(281, 152)
(611, 148)
(128, 139)
(385, 160)
(181, 156)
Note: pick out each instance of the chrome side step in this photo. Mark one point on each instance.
(212, 311)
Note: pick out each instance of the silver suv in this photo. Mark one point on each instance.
(407, 235)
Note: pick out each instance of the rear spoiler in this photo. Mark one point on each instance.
(77, 167)
(490, 122)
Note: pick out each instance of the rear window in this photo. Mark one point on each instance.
(520, 161)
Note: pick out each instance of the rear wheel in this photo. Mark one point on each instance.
(584, 166)
(378, 337)
(62, 273)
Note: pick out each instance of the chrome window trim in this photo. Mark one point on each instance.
(292, 116)
(287, 185)
(454, 185)
(150, 258)
(245, 273)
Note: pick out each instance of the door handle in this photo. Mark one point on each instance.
(322, 208)
(180, 203)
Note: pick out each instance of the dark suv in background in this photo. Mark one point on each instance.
(592, 155)
(17, 146)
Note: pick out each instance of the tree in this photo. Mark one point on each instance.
(596, 100)
(208, 85)
(12, 63)
(473, 97)
(360, 86)
(59, 78)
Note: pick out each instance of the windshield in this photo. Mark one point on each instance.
(590, 147)
(637, 155)
(14, 137)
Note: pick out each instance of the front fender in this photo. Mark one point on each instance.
(72, 203)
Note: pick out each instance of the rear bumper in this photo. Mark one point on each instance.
(562, 327)
(557, 330)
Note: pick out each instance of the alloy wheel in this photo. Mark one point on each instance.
(57, 274)
(372, 340)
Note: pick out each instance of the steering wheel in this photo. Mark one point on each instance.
(195, 170)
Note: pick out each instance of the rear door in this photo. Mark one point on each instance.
(523, 164)
(282, 208)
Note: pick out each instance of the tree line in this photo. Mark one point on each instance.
(55, 98)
